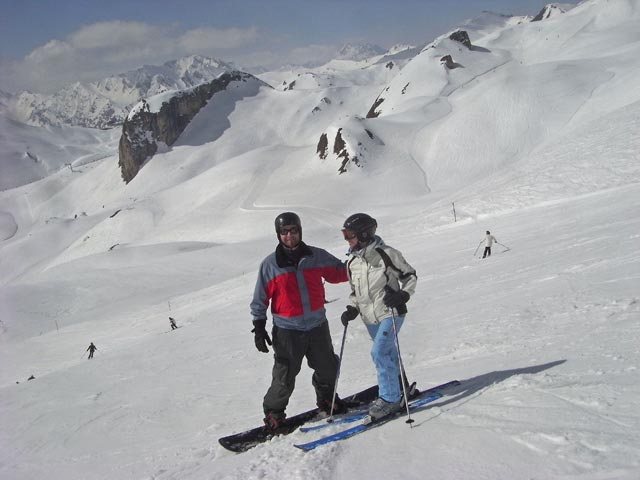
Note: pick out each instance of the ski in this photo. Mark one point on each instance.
(243, 441)
(366, 424)
(354, 417)
(349, 418)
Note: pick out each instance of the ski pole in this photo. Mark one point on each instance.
(335, 387)
(404, 387)
(474, 253)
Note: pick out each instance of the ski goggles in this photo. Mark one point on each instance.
(289, 230)
(349, 234)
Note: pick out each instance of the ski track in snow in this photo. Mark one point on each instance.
(8, 226)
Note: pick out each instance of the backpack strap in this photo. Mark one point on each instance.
(349, 262)
(389, 264)
(387, 260)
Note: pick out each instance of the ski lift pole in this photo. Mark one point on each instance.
(335, 387)
(404, 387)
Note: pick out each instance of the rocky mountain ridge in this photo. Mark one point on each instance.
(147, 127)
(105, 103)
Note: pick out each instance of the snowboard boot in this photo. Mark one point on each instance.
(274, 419)
(339, 406)
(381, 408)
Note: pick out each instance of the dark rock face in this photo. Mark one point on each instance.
(136, 144)
(142, 132)
(322, 147)
(547, 12)
(349, 145)
(374, 111)
(462, 37)
(340, 149)
(448, 62)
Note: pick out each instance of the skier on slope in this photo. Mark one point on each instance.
(290, 279)
(379, 285)
(172, 322)
(489, 240)
(92, 348)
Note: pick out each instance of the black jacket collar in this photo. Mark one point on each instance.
(286, 259)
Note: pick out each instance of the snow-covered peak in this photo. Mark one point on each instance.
(552, 10)
(358, 52)
(105, 103)
(399, 47)
(489, 22)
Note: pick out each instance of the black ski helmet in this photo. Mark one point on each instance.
(363, 225)
(287, 218)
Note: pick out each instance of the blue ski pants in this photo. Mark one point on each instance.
(385, 357)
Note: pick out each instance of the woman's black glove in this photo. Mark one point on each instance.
(393, 299)
(349, 314)
(261, 337)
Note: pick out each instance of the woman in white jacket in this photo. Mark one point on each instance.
(381, 280)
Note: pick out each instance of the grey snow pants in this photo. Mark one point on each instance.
(290, 347)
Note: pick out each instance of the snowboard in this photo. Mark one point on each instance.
(243, 441)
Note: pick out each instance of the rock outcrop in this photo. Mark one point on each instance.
(448, 62)
(548, 11)
(350, 144)
(462, 37)
(144, 129)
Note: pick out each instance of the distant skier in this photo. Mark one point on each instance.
(489, 240)
(172, 321)
(92, 348)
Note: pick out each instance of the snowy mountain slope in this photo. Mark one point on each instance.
(554, 81)
(542, 334)
(574, 417)
(30, 153)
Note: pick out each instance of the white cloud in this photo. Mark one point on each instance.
(50, 50)
(203, 38)
(312, 54)
(106, 48)
(116, 34)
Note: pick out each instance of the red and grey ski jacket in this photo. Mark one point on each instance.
(296, 293)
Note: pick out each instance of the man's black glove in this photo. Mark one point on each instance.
(261, 337)
(393, 299)
(349, 314)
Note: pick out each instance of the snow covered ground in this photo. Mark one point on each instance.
(543, 335)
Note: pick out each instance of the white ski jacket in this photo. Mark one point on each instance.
(488, 240)
(368, 277)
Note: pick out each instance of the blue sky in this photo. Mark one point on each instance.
(45, 44)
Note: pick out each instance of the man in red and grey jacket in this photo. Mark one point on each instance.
(291, 280)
